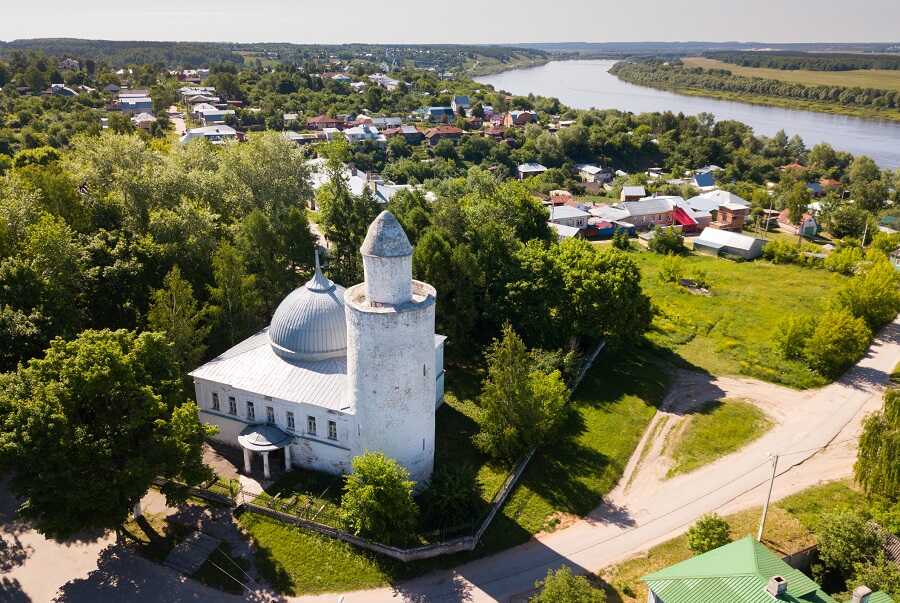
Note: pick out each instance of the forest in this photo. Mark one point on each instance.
(180, 55)
(818, 61)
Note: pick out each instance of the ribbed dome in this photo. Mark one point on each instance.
(309, 324)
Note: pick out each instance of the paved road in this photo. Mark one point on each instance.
(641, 512)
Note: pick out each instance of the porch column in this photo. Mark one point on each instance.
(287, 457)
(246, 461)
(266, 473)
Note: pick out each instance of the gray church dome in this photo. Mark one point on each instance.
(309, 324)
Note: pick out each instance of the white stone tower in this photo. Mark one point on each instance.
(391, 352)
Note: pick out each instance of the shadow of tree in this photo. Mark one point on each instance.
(11, 591)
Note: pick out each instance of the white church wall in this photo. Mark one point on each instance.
(313, 451)
(391, 377)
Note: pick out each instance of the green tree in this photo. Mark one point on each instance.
(344, 218)
(872, 295)
(603, 293)
(377, 502)
(796, 200)
(562, 586)
(708, 533)
(86, 429)
(863, 170)
(174, 311)
(879, 450)
(839, 340)
(847, 221)
(520, 407)
(234, 295)
(453, 496)
(845, 540)
(667, 241)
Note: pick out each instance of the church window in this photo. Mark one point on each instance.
(311, 425)
(215, 401)
(270, 415)
(251, 412)
(332, 430)
(290, 421)
(232, 405)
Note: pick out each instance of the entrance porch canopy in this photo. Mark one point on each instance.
(264, 438)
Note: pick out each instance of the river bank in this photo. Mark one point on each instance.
(586, 84)
(785, 102)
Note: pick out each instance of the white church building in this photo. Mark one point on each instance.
(338, 372)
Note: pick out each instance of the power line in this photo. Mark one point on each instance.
(568, 554)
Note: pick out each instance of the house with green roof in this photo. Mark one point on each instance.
(743, 571)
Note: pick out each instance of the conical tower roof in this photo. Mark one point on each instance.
(386, 238)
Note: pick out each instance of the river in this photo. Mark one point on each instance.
(587, 84)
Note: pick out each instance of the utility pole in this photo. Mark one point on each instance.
(762, 522)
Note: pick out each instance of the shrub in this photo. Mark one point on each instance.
(878, 574)
(667, 241)
(781, 252)
(708, 533)
(562, 586)
(453, 496)
(671, 269)
(701, 277)
(844, 541)
(377, 502)
(620, 239)
(839, 340)
(792, 335)
(844, 260)
(872, 295)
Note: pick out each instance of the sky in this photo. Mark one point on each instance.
(455, 21)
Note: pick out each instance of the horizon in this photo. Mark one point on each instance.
(598, 21)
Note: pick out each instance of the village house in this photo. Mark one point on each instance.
(383, 123)
(439, 114)
(632, 193)
(211, 117)
(214, 134)
(320, 122)
(651, 211)
(61, 90)
(411, 134)
(460, 102)
(364, 133)
(132, 103)
(743, 570)
(68, 64)
(302, 138)
(143, 120)
(527, 170)
(519, 118)
(731, 216)
(592, 173)
(715, 241)
(808, 226)
(439, 133)
(568, 215)
(561, 197)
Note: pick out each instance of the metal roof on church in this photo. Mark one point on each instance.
(254, 367)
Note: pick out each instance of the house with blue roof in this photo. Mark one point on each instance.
(439, 114)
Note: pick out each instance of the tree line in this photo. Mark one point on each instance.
(658, 74)
(813, 61)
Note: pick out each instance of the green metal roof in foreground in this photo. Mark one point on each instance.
(735, 573)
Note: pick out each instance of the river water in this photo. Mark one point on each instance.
(588, 84)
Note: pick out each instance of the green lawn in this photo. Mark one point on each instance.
(612, 408)
(789, 526)
(730, 331)
(715, 431)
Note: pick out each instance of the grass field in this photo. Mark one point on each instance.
(730, 331)
(715, 431)
(789, 528)
(611, 409)
(885, 79)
